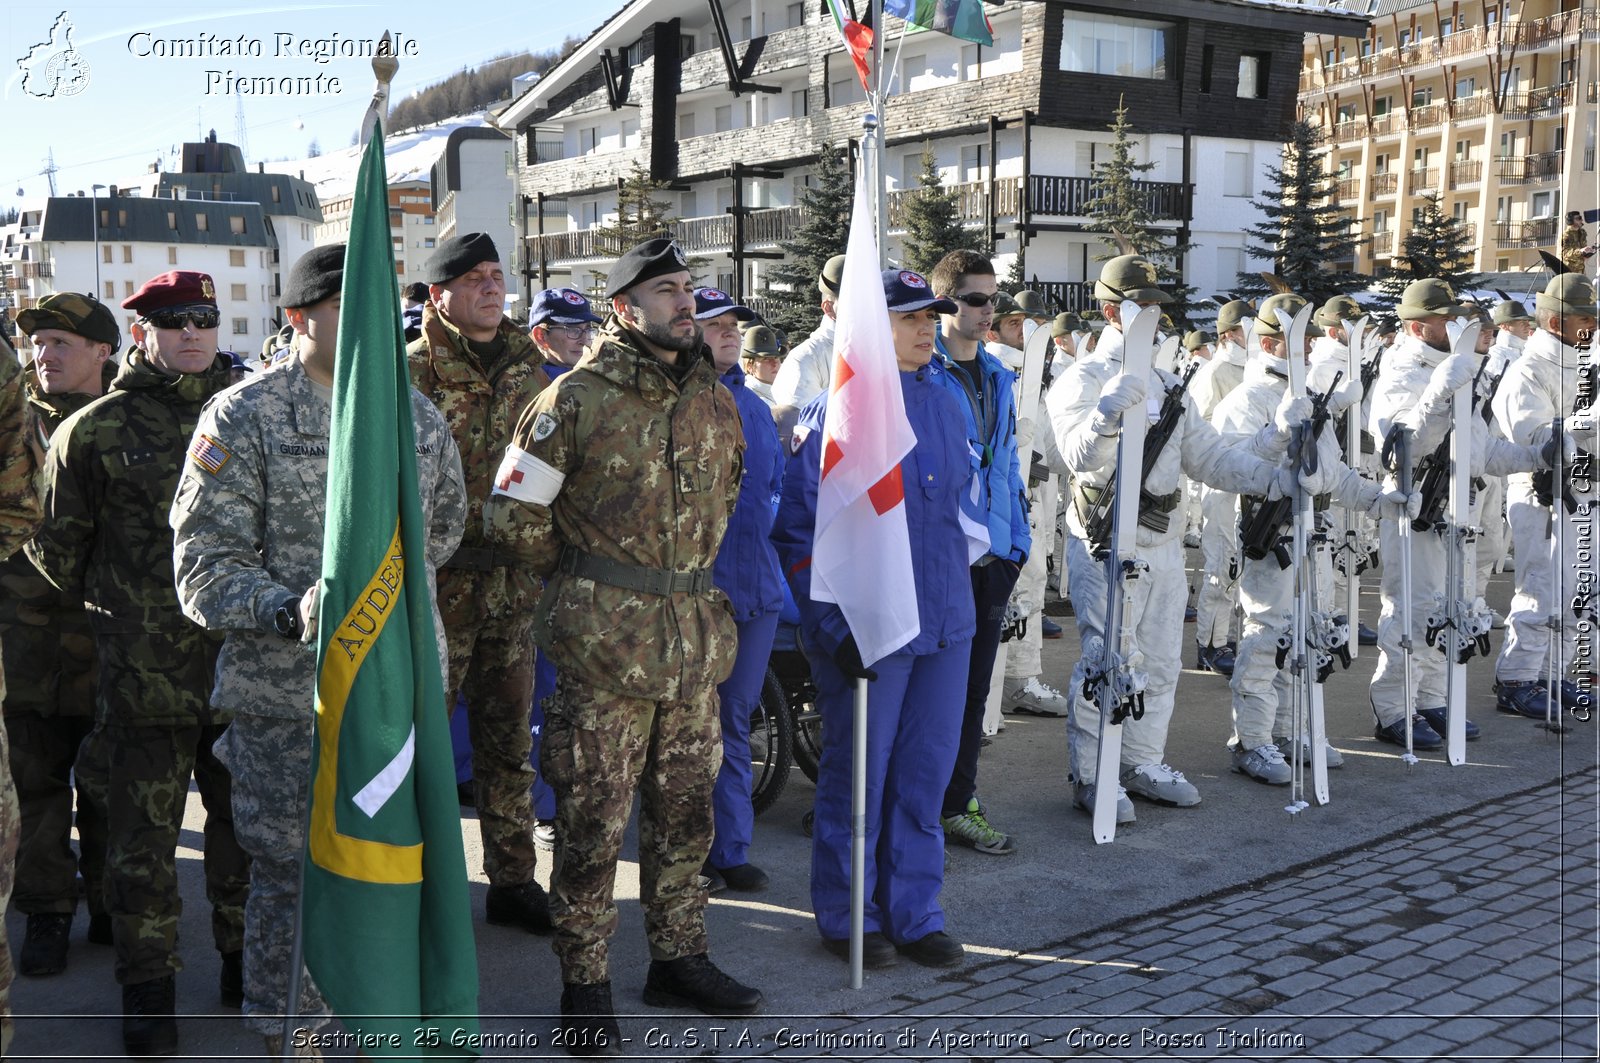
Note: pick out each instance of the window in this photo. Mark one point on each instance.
(277, 194)
(797, 103)
(844, 87)
(1421, 97)
(238, 292)
(1253, 76)
(428, 241)
(122, 219)
(912, 66)
(111, 290)
(105, 254)
(1463, 149)
(172, 219)
(796, 15)
(971, 62)
(685, 125)
(745, 28)
(127, 288)
(236, 256)
(172, 256)
(241, 326)
(1542, 205)
(1347, 112)
(1330, 57)
(689, 204)
(722, 119)
(630, 132)
(587, 137)
(1236, 173)
(236, 224)
(685, 45)
(202, 223)
(1502, 209)
(1380, 163)
(1382, 105)
(972, 168)
(1230, 263)
(589, 214)
(1208, 59)
(105, 217)
(1123, 47)
(1419, 159)
(1466, 87)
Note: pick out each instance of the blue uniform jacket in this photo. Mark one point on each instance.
(936, 475)
(1002, 502)
(746, 568)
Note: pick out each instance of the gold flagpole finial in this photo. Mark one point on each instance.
(384, 66)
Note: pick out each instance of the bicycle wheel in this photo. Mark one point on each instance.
(771, 745)
(807, 725)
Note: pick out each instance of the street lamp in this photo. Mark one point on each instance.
(95, 217)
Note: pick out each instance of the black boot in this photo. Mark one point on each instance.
(230, 987)
(148, 1025)
(588, 1021)
(696, 982)
(44, 949)
(524, 905)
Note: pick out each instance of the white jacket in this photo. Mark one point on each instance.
(1220, 375)
(805, 373)
(1539, 386)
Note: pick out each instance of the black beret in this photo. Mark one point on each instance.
(653, 258)
(316, 275)
(457, 255)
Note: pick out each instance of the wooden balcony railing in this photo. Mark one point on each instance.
(1074, 196)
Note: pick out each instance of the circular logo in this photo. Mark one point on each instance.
(677, 253)
(714, 295)
(66, 73)
(572, 296)
(912, 280)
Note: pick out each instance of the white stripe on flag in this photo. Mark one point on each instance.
(373, 796)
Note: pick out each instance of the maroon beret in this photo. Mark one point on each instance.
(178, 287)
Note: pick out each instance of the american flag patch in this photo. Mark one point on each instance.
(208, 453)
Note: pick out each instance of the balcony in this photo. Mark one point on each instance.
(1387, 124)
(1349, 132)
(1465, 172)
(1468, 230)
(1537, 103)
(1522, 169)
(1530, 233)
(1346, 189)
(1478, 105)
(1074, 297)
(1384, 184)
(1422, 180)
(972, 200)
(1426, 116)
(36, 270)
(1074, 196)
(548, 151)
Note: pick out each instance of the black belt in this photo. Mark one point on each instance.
(660, 581)
(479, 558)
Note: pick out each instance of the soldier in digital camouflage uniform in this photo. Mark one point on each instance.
(248, 526)
(19, 516)
(50, 662)
(617, 489)
(481, 370)
(109, 479)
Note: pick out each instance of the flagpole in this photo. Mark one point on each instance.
(875, 112)
(384, 65)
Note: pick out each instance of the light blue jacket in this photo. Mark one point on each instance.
(1001, 500)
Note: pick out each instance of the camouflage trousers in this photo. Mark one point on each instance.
(147, 768)
(49, 709)
(491, 665)
(269, 760)
(10, 830)
(598, 748)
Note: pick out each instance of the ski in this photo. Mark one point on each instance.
(1351, 555)
(1467, 621)
(1117, 688)
(1166, 357)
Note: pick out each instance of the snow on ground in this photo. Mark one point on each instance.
(408, 156)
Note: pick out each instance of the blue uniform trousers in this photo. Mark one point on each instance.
(913, 725)
(738, 695)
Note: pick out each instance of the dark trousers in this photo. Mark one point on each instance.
(991, 589)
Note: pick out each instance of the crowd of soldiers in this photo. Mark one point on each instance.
(625, 506)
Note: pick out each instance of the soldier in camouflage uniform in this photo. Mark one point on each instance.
(49, 659)
(617, 489)
(481, 370)
(109, 481)
(19, 516)
(248, 524)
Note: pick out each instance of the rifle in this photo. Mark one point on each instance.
(1097, 521)
(1433, 474)
(1259, 532)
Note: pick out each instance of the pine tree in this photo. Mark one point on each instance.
(1436, 247)
(640, 217)
(1304, 231)
(1014, 282)
(931, 217)
(1118, 205)
(823, 232)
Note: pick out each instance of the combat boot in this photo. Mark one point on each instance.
(524, 905)
(588, 1024)
(696, 982)
(230, 985)
(149, 1027)
(44, 949)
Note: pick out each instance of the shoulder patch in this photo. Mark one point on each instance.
(798, 437)
(209, 454)
(544, 426)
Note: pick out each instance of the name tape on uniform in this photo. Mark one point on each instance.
(527, 479)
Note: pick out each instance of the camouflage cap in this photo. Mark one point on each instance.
(1232, 315)
(760, 341)
(832, 275)
(1005, 306)
(83, 315)
(1337, 311)
(1570, 293)
(1427, 298)
(1507, 311)
(1066, 325)
(1129, 277)
(1267, 315)
(1196, 340)
(1032, 303)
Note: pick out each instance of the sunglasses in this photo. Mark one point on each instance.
(203, 317)
(976, 299)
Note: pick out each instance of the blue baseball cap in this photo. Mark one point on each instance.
(710, 302)
(905, 291)
(560, 306)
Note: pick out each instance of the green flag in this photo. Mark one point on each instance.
(959, 18)
(388, 923)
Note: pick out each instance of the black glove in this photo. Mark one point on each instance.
(848, 660)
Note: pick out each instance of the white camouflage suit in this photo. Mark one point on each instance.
(1492, 519)
(1216, 610)
(1540, 386)
(1266, 590)
(1402, 393)
(1156, 613)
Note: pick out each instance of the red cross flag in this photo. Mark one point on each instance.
(861, 556)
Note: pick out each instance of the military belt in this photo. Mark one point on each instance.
(660, 581)
(479, 558)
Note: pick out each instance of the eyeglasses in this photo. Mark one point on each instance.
(573, 332)
(976, 299)
(203, 317)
